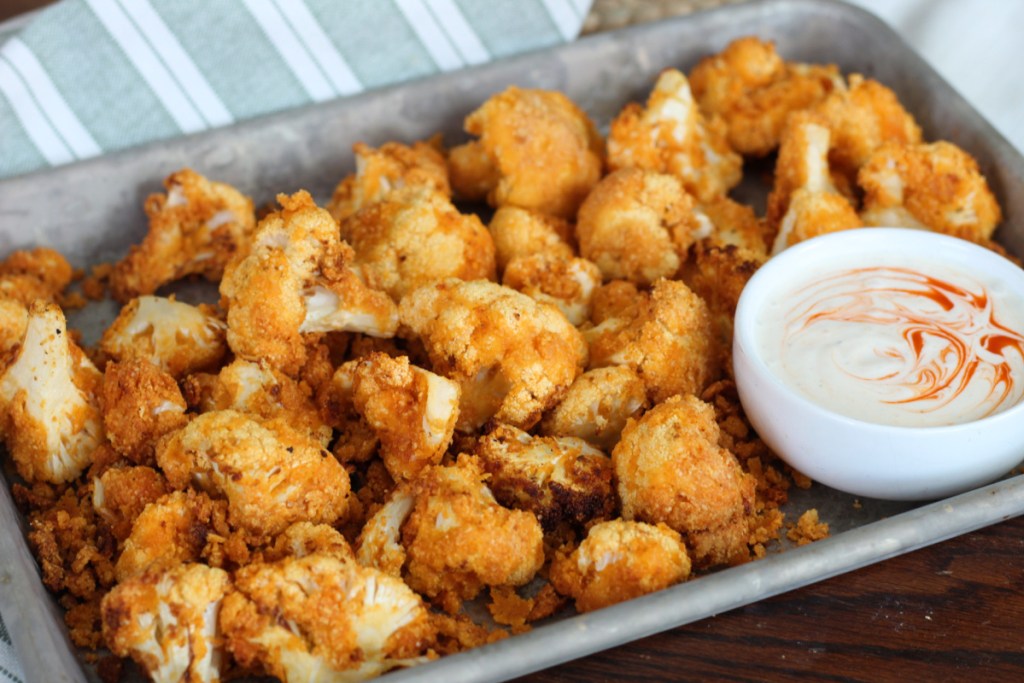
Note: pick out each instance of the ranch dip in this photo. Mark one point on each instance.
(903, 341)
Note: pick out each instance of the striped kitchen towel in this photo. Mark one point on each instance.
(86, 77)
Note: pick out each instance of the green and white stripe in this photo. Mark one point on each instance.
(86, 77)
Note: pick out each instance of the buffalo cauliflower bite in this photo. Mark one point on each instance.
(732, 223)
(666, 338)
(194, 229)
(558, 479)
(304, 538)
(298, 278)
(936, 186)
(120, 494)
(392, 166)
(637, 225)
(41, 273)
(804, 201)
(754, 91)
(519, 232)
(567, 283)
(669, 467)
(511, 357)
(620, 560)
(380, 541)
(414, 237)
(411, 410)
(671, 136)
(544, 153)
(321, 618)
(140, 403)
(49, 401)
(176, 337)
(13, 321)
(597, 406)
(270, 473)
(167, 622)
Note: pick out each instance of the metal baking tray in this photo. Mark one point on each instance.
(91, 211)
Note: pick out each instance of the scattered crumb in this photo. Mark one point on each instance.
(808, 529)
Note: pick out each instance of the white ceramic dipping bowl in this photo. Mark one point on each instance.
(867, 458)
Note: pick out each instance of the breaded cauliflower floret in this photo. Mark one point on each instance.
(546, 151)
(754, 91)
(49, 401)
(297, 278)
(392, 166)
(519, 232)
(140, 403)
(559, 479)
(174, 336)
(804, 201)
(637, 225)
(936, 186)
(13, 321)
(861, 120)
(666, 337)
(194, 229)
(567, 283)
(120, 494)
(597, 406)
(321, 618)
(167, 622)
(512, 357)
(304, 538)
(620, 560)
(259, 390)
(271, 474)
(670, 135)
(670, 468)
(412, 411)
(414, 237)
(37, 274)
(380, 541)
(732, 223)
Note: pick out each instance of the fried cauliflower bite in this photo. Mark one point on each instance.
(597, 406)
(271, 474)
(414, 237)
(560, 479)
(732, 223)
(120, 494)
(637, 225)
(804, 201)
(297, 278)
(320, 618)
(259, 390)
(411, 410)
(49, 404)
(620, 560)
(380, 542)
(390, 167)
(176, 337)
(753, 90)
(167, 622)
(567, 283)
(519, 232)
(13, 321)
(937, 186)
(670, 468)
(666, 338)
(861, 119)
(37, 274)
(140, 404)
(194, 229)
(511, 357)
(546, 152)
(670, 135)
(304, 538)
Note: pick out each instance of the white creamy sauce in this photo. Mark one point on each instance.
(910, 342)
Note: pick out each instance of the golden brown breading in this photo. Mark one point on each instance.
(120, 494)
(670, 468)
(512, 357)
(415, 236)
(547, 152)
(733, 223)
(194, 229)
(519, 232)
(40, 273)
(938, 186)
(620, 560)
(567, 283)
(637, 225)
(670, 135)
(140, 404)
(271, 474)
(753, 90)
(667, 338)
(597, 406)
(392, 166)
(304, 538)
